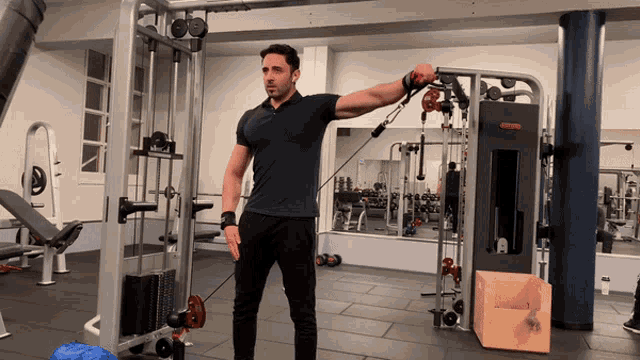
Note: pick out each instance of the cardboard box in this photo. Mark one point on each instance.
(512, 311)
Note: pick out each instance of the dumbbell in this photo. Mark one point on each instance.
(321, 260)
(334, 260)
(330, 260)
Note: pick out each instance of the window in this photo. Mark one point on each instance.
(96, 114)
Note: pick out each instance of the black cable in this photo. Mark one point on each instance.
(219, 286)
(375, 133)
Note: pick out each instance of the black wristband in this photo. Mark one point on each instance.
(228, 219)
(407, 82)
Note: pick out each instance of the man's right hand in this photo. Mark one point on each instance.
(232, 235)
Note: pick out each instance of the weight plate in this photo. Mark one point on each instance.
(450, 318)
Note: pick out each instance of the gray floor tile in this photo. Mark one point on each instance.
(397, 293)
(225, 307)
(623, 309)
(375, 300)
(328, 275)
(363, 278)
(219, 323)
(345, 286)
(265, 350)
(612, 330)
(276, 332)
(6, 355)
(343, 323)
(331, 306)
(614, 345)
(376, 347)
(23, 337)
(606, 308)
(429, 303)
(418, 334)
(389, 315)
(334, 355)
(609, 318)
(204, 341)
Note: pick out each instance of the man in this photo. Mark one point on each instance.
(284, 136)
(452, 196)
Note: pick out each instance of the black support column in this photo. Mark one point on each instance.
(575, 169)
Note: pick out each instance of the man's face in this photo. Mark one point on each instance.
(277, 75)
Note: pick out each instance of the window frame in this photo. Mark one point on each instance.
(99, 177)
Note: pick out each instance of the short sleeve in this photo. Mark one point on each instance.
(241, 139)
(326, 103)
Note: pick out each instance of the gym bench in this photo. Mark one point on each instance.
(44, 232)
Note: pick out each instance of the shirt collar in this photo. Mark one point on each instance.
(292, 100)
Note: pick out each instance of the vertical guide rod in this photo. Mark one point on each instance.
(171, 129)
(470, 195)
(461, 187)
(195, 93)
(151, 124)
(443, 192)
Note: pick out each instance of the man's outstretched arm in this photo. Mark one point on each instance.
(365, 101)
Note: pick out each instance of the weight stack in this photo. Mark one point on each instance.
(147, 301)
(166, 291)
(139, 301)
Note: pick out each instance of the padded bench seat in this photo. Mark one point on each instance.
(199, 236)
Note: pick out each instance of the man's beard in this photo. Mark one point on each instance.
(279, 93)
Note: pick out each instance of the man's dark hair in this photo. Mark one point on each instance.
(290, 54)
(452, 165)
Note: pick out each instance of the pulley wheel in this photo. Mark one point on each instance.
(164, 348)
(152, 28)
(458, 306)
(483, 87)
(179, 28)
(494, 93)
(159, 140)
(198, 28)
(507, 83)
(450, 318)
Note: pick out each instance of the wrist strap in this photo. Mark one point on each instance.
(229, 219)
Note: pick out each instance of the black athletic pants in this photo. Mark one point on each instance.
(451, 202)
(291, 243)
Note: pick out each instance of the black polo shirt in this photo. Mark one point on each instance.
(285, 144)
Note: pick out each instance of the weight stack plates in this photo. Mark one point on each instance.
(139, 301)
(166, 291)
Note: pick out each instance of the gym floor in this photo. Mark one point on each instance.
(363, 313)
